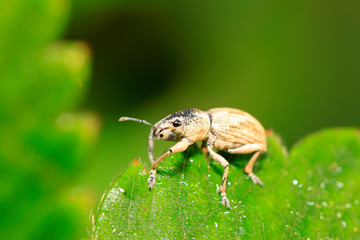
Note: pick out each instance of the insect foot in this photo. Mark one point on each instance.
(225, 200)
(255, 179)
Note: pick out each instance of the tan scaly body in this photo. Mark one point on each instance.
(226, 129)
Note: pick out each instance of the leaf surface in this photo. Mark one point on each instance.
(293, 203)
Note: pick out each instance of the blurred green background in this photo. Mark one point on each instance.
(70, 69)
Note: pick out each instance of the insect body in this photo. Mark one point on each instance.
(232, 130)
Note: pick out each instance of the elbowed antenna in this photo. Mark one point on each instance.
(122, 119)
(151, 141)
(151, 146)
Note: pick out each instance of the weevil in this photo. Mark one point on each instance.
(228, 129)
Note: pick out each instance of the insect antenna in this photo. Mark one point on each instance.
(151, 141)
(122, 119)
(151, 145)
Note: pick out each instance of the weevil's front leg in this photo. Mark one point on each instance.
(178, 147)
(249, 148)
(225, 164)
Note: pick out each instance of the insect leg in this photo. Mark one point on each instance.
(249, 148)
(225, 164)
(178, 147)
(205, 151)
(203, 147)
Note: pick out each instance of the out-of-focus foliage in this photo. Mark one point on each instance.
(284, 62)
(310, 194)
(43, 145)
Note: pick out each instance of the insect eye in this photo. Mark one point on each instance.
(176, 123)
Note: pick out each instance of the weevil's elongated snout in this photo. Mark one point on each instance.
(170, 136)
(159, 133)
(164, 134)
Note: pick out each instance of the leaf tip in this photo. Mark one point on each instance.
(269, 132)
(136, 161)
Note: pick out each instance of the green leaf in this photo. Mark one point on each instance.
(324, 172)
(185, 201)
(312, 194)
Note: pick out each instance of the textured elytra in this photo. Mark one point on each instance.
(232, 128)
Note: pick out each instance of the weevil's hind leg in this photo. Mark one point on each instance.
(249, 148)
(205, 151)
(249, 169)
(225, 164)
